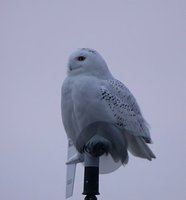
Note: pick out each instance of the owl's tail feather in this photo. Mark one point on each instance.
(138, 147)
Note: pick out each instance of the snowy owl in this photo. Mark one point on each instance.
(99, 113)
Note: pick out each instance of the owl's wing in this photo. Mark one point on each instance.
(124, 108)
(127, 116)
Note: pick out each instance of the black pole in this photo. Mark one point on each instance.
(91, 177)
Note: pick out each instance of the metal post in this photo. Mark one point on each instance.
(91, 177)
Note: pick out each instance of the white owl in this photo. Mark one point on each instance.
(100, 115)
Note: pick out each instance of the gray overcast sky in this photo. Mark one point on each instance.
(144, 44)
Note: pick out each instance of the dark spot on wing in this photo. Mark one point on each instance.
(117, 106)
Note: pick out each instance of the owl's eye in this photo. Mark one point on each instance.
(81, 58)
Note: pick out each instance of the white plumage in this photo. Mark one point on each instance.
(98, 108)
